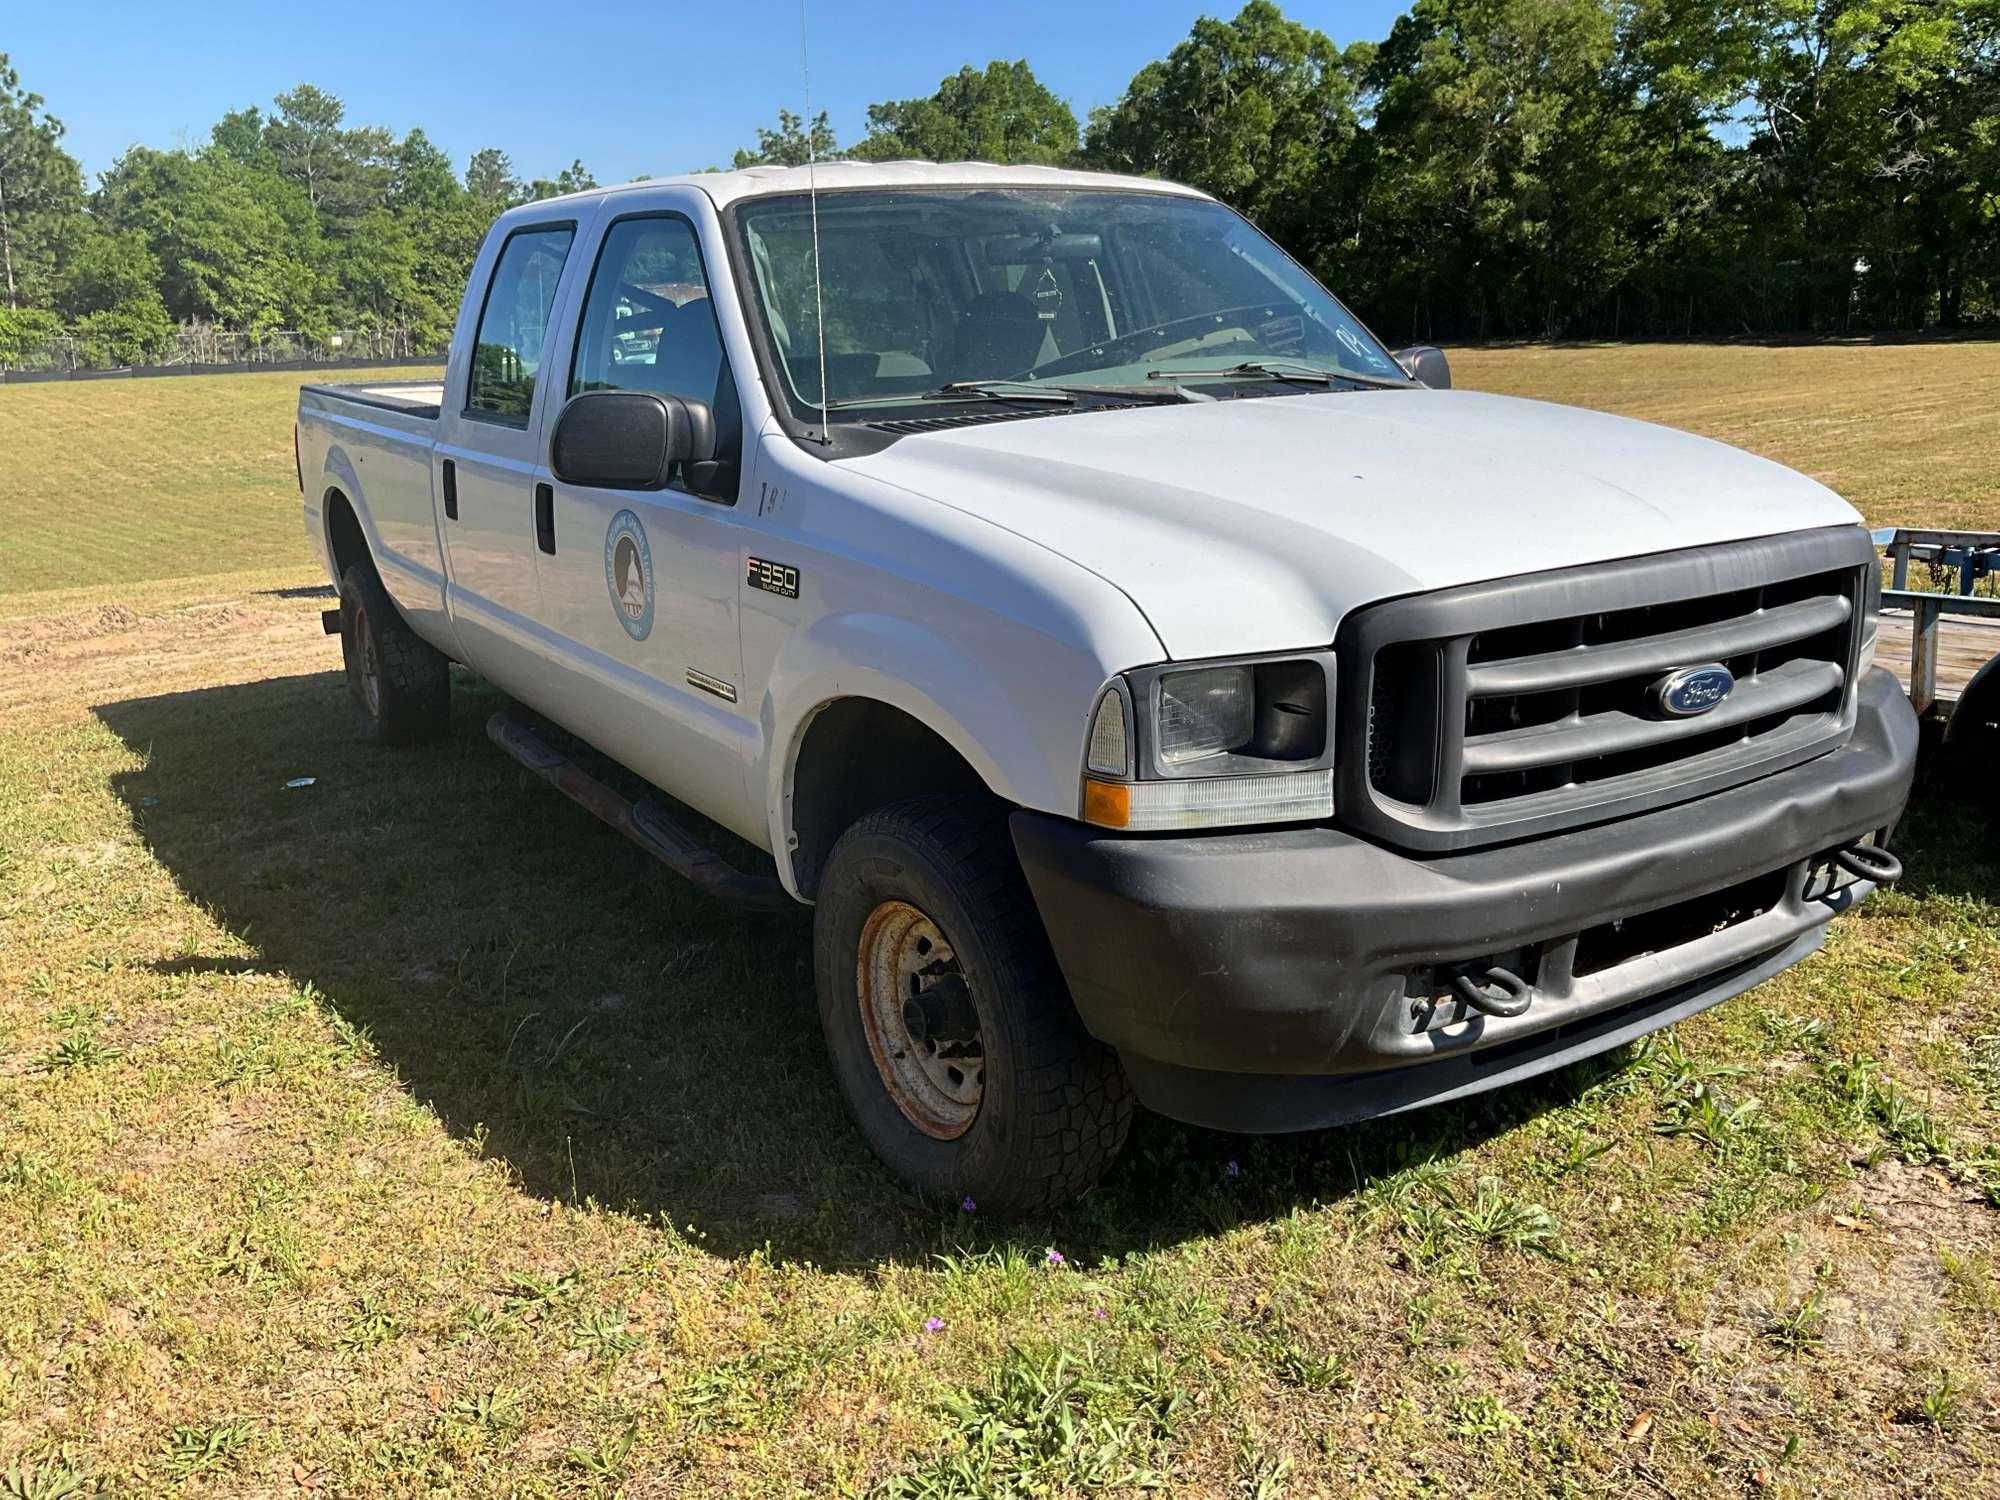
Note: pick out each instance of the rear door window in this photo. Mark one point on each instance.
(513, 325)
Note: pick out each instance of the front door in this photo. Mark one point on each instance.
(642, 584)
(489, 439)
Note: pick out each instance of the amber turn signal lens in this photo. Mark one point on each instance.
(1107, 803)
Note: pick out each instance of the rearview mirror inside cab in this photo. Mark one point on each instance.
(629, 440)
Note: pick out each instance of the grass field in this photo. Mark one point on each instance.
(1910, 433)
(407, 1133)
(111, 482)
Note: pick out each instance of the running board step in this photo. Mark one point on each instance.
(647, 824)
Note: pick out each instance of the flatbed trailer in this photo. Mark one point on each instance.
(1943, 643)
(1965, 643)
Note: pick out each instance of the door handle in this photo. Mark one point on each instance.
(450, 490)
(545, 518)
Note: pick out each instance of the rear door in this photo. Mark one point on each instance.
(642, 585)
(494, 504)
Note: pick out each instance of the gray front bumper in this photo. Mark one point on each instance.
(1264, 980)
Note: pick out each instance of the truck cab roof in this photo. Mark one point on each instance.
(725, 188)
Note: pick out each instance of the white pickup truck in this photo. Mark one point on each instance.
(1157, 687)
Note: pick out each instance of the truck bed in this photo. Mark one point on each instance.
(416, 398)
(375, 444)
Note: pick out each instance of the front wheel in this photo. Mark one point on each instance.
(950, 1029)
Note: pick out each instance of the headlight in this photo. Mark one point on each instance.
(1871, 619)
(1210, 712)
(1216, 745)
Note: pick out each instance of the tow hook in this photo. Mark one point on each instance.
(1512, 999)
(1870, 862)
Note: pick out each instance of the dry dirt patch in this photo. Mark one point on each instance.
(116, 649)
(1855, 1303)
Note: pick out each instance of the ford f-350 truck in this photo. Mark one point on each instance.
(1158, 688)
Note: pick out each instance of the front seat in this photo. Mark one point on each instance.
(689, 364)
(999, 335)
(689, 358)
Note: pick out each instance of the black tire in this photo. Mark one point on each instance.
(400, 683)
(1971, 752)
(1055, 1106)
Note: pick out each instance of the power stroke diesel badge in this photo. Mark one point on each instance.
(628, 573)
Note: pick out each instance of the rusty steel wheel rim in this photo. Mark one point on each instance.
(921, 1024)
(368, 662)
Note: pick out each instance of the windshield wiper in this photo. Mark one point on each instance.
(1025, 390)
(1004, 390)
(965, 390)
(1299, 372)
(1007, 390)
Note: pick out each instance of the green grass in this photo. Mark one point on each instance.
(120, 481)
(409, 1133)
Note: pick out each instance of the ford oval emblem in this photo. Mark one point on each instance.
(1692, 690)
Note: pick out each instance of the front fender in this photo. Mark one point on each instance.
(1019, 723)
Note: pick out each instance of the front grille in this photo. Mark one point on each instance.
(1499, 710)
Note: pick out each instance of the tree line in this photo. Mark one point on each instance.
(286, 219)
(1491, 168)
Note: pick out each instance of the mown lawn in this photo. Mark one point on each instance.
(407, 1133)
(1910, 433)
(116, 481)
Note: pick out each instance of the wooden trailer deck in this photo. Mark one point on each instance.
(1965, 644)
(1935, 639)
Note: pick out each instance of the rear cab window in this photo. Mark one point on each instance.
(507, 350)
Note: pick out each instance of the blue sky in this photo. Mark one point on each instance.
(629, 87)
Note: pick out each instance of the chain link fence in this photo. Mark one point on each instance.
(207, 348)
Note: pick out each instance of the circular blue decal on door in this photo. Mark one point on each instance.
(628, 574)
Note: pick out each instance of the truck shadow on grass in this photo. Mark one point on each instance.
(610, 1032)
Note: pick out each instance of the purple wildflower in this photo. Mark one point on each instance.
(1055, 1257)
(968, 1207)
(1230, 1169)
(1097, 1313)
(933, 1325)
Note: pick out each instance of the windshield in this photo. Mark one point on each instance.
(1082, 288)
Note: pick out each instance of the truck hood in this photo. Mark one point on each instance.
(1255, 525)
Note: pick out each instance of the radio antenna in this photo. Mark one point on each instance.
(812, 193)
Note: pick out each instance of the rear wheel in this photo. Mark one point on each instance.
(949, 1026)
(400, 683)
